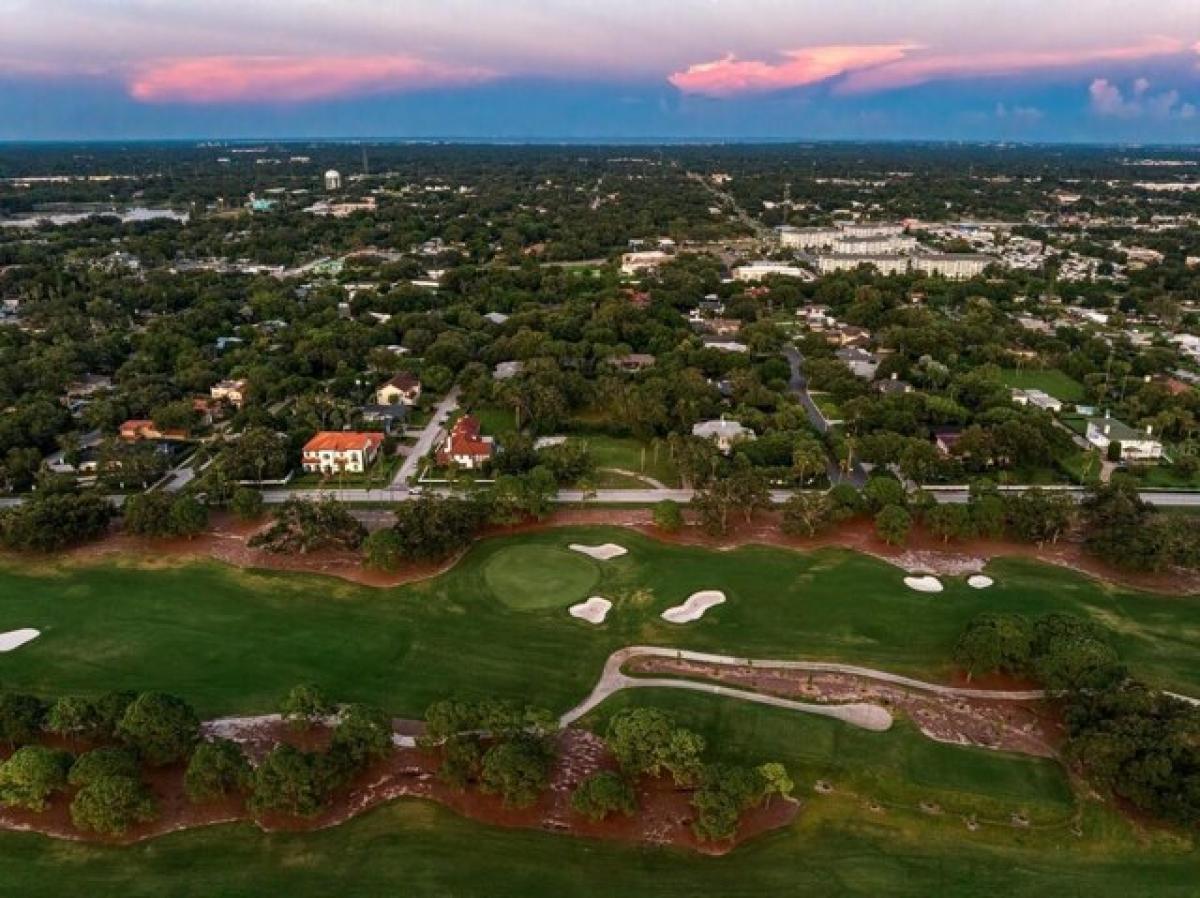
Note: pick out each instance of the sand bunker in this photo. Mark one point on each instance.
(606, 552)
(14, 639)
(979, 582)
(924, 584)
(693, 609)
(594, 610)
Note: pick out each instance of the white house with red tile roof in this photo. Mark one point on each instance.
(465, 446)
(338, 451)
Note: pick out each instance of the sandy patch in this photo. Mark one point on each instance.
(979, 581)
(606, 552)
(924, 584)
(14, 639)
(693, 609)
(594, 610)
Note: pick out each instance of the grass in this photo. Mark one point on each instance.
(898, 769)
(1164, 476)
(1057, 383)
(234, 641)
(530, 578)
(629, 454)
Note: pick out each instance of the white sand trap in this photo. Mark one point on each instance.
(594, 610)
(693, 609)
(14, 639)
(924, 584)
(606, 552)
(979, 581)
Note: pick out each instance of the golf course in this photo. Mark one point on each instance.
(891, 816)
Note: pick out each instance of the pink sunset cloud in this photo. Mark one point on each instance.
(940, 66)
(876, 67)
(276, 79)
(730, 75)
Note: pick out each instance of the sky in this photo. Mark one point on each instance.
(1021, 70)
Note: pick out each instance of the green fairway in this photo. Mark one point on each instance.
(234, 641)
(898, 769)
(1057, 383)
(533, 577)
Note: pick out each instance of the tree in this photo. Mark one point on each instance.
(807, 514)
(1070, 653)
(302, 526)
(363, 734)
(808, 458)
(603, 794)
(880, 492)
(431, 528)
(775, 780)
(1039, 516)
(32, 775)
(75, 717)
(290, 781)
(21, 718)
(218, 768)
(305, 705)
(50, 522)
(995, 643)
(517, 769)
(647, 741)
(159, 727)
(892, 525)
(247, 503)
(725, 792)
(102, 762)
(667, 516)
(189, 516)
(950, 522)
(111, 804)
(148, 514)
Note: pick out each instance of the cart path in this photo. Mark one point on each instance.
(862, 714)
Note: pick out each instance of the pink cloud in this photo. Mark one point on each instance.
(935, 67)
(730, 75)
(234, 79)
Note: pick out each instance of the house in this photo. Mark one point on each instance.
(860, 362)
(403, 389)
(507, 370)
(338, 451)
(637, 262)
(893, 386)
(847, 335)
(208, 409)
(465, 446)
(1036, 398)
(387, 416)
(632, 363)
(138, 429)
(726, 434)
(232, 392)
(723, 344)
(86, 387)
(1135, 445)
(946, 438)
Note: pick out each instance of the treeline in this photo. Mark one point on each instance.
(127, 734)
(1129, 739)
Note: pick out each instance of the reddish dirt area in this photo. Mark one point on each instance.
(664, 814)
(924, 553)
(1024, 727)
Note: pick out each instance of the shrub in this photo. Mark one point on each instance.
(603, 794)
(160, 728)
(103, 762)
(217, 769)
(112, 804)
(32, 775)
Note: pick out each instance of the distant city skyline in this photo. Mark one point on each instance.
(1055, 70)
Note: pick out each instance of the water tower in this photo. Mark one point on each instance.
(333, 180)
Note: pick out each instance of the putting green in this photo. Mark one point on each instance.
(531, 577)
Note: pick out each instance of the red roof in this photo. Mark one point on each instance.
(343, 441)
(465, 439)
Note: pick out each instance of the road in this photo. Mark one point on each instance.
(429, 438)
(798, 384)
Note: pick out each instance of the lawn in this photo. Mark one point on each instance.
(1057, 383)
(529, 578)
(233, 641)
(629, 454)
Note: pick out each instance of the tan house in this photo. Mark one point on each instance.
(232, 392)
(403, 389)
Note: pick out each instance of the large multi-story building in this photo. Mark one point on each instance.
(829, 264)
(954, 266)
(337, 452)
